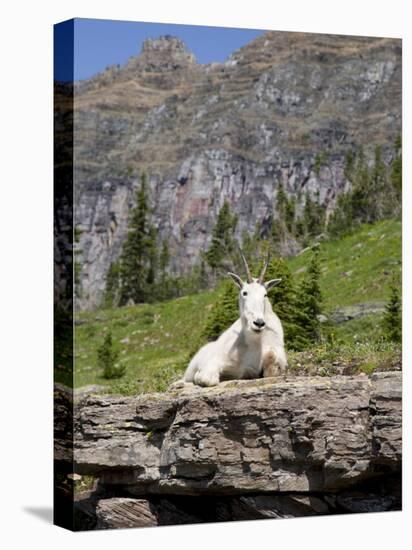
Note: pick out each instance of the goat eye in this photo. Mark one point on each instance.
(244, 293)
(266, 295)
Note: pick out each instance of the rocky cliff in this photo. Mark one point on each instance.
(231, 131)
(245, 449)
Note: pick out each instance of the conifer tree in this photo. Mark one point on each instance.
(281, 202)
(290, 215)
(299, 227)
(107, 357)
(277, 236)
(359, 198)
(222, 244)
(224, 312)
(352, 208)
(313, 216)
(113, 283)
(375, 193)
(139, 252)
(283, 300)
(308, 215)
(309, 303)
(392, 320)
(349, 165)
(378, 189)
(340, 222)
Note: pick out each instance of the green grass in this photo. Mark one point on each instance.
(155, 340)
(352, 357)
(360, 330)
(357, 268)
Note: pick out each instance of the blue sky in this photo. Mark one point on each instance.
(98, 43)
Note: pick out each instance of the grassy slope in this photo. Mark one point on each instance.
(357, 268)
(155, 340)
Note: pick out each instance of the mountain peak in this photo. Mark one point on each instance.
(166, 50)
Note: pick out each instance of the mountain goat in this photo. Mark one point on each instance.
(251, 347)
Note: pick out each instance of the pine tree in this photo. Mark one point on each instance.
(290, 215)
(224, 312)
(107, 357)
(283, 300)
(349, 165)
(353, 207)
(281, 202)
(309, 303)
(165, 286)
(375, 194)
(113, 283)
(308, 214)
(313, 216)
(299, 228)
(392, 320)
(340, 222)
(320, 160)
(378, 189)
(139, 251)
(222, 244)
(359, 204)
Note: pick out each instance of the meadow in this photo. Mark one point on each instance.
(155, 340)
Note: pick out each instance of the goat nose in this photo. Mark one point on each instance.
(260, 323)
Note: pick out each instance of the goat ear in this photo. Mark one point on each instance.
(271, 283)
(236, 279)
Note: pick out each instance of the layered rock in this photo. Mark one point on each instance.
(263, 448)
(225, 131)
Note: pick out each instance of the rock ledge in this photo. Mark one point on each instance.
(260, 448)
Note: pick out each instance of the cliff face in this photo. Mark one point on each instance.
(248, 449)
(230, 131)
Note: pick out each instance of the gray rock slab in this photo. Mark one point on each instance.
(271, 435)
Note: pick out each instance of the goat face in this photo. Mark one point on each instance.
(252, 302)
(252, 306)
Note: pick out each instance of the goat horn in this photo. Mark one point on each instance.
(248, 274)
(263, 272)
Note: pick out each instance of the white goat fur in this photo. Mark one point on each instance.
(244, 350)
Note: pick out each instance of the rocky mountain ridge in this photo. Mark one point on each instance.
(225, 131)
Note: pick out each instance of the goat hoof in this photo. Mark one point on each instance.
(206, 379)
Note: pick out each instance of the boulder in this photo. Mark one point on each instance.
(343, 314)
(311, 434)
(251, 449)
